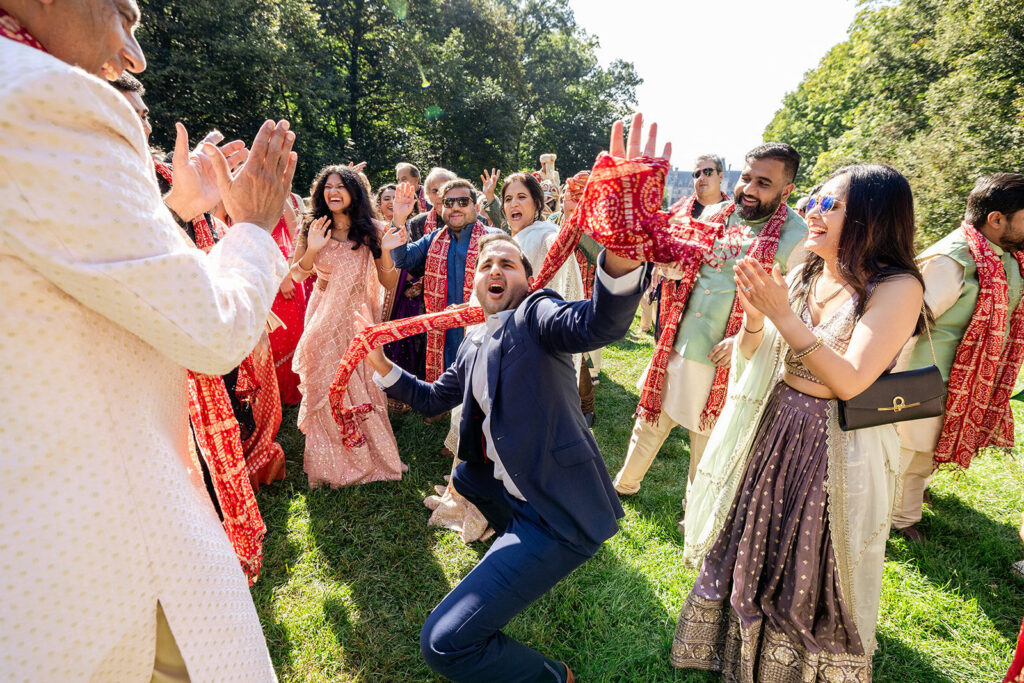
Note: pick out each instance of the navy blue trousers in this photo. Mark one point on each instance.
(462, 637)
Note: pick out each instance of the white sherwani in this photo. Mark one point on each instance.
(105, 304)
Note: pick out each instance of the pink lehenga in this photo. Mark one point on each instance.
(346, 279)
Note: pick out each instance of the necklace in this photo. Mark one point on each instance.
(820, 303)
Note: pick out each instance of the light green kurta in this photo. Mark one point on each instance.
(951, 324)
(707, 312)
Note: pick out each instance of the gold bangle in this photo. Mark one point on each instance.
(298, 264)
(809, 350)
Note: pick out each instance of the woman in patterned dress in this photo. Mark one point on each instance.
(340, 242)
(789, 515)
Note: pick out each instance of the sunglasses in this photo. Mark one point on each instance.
(824, 204)
(457, 201)
(706, 172)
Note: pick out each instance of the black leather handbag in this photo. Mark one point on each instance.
(897, 397)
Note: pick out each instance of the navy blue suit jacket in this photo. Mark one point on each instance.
(536, 422)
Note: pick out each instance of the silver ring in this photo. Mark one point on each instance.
(747, 289)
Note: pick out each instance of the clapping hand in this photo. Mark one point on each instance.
(394, 237)
(405, 200)
(357, 168)
(195, 190)
(256, 193)
(761, 293)
(488, 181)
(319, 233)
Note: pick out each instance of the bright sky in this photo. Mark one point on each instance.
(715, 73)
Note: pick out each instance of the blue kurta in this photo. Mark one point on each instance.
(414, 255)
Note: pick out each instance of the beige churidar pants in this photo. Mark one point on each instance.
(644, 445)
(168, 666)
(918, 469)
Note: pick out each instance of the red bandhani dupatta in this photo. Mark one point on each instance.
(620, 208)
(220, 444)
(763, 249)
(430, 224)
(11, 29)
(985, 366)
(435, 288)
(675, 293)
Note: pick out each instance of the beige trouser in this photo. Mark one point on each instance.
(644, 446)
(168, 666)
(647, 309)
(918, 469)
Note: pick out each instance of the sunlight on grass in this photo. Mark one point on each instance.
(350, 575)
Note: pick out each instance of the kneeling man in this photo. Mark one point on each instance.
(531, 465)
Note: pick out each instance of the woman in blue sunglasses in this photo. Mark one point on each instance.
(789, 515)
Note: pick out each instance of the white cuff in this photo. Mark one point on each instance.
(624, 284)
(388, 379)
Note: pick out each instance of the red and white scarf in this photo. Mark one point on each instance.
(675, 294)
(620, 208)
(685, 205)
(986, 364)
(765, 245)
(430, 225)
(11, 29)
(435, 288)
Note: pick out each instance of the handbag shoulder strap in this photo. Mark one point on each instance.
(928, 331)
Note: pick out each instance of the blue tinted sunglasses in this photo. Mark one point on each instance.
(824, 204)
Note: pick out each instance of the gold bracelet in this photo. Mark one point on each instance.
(298, 264)
(388, 270)
(809, 350)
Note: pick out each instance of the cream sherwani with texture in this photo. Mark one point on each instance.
(105, 304)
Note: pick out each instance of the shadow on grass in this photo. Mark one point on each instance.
(967, 552)
(894, 662)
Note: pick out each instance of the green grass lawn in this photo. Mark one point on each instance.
(350, 575)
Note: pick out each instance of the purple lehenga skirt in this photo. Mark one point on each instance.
(767, 604)
(411, 353)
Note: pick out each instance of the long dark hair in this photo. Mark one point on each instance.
(877, 241)
(363, 231)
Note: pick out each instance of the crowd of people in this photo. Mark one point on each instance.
(166, 307)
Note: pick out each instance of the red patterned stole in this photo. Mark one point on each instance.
(620, 208)
(674, 296)
(986, 364)
(435, 288)
(10, 28)
(430, 225)
(765, 245)
(220, 443)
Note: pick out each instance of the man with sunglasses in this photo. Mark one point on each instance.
(446, 255)
(701, 316)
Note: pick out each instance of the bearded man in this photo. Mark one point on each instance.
(686, 380)
(117, 565)
(974, 279)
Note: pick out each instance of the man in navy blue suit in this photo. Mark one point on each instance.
(531, 464)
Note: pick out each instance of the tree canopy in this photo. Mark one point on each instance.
(934, 88)
(466, 84)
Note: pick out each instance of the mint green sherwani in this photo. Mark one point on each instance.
(689, 374)
(951, 290)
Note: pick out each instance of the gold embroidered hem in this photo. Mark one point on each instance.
(709, 637)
